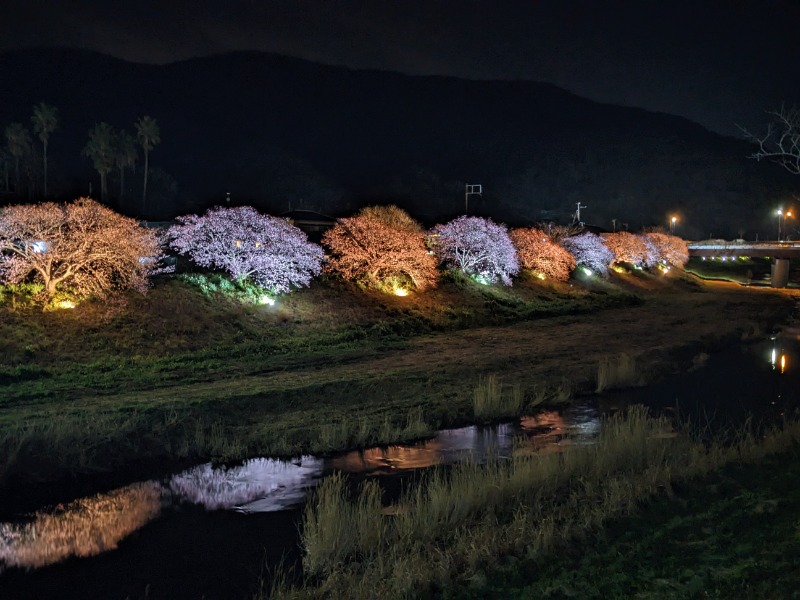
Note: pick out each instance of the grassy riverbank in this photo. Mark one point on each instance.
(549, 526)
(733, 534)
(189, 371)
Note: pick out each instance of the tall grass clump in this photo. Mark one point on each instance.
(616, 371)
(337, 528)
(492, 400)
(458, 522)
(362, 431)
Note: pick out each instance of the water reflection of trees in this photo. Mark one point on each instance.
(449, 445)
(82, 528)
(258, 485)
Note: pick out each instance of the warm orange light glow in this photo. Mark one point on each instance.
(400, 292)
(783, 363)
(65, 304)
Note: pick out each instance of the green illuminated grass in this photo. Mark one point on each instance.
(189, 372)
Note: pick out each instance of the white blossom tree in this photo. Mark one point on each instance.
(269, 251)
(477, 247)
(81, 245)
(590, 252)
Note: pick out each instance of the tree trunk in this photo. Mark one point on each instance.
(144, 187)
(102, 187)
(44, 157)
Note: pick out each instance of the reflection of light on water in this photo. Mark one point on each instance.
(580, 425)
(259, 485)
(448, 446)
(777, 357)
(82, 528)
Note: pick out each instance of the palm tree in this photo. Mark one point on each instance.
(5, 161)
(149, 135)
(45, 122)
(125, 157)
(18, 144)
(100, 148)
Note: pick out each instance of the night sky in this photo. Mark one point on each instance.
(717, 63)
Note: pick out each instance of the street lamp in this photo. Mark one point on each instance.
(782, 218)
(672, 222)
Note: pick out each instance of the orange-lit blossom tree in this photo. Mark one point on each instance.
(381, 246)
(670, 249)
(629, 248)
(538, 253)
(81, 245)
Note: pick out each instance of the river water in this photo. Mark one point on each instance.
(209, 531)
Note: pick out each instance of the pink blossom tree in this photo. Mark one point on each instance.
(669, 248)
(589, 252)
(381, 246)
(629, 248)
(539, 254)
(477, 247)
(269, 251)
(81, 245)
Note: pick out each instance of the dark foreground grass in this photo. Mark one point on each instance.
(528, 528)
(734, 534)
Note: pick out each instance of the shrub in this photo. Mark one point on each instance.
(478, 247)
(269, 251)
(381, 247)
(538, 253)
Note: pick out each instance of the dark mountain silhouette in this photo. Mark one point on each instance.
(282, 133)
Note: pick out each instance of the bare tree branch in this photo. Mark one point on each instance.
(781, 141)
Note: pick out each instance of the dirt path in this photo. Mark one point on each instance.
(541, 350)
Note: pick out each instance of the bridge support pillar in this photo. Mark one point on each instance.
(780, 272)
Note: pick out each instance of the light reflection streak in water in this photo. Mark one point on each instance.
(258, 485)
(98, 523)
(85, 527)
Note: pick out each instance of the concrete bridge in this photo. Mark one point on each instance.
(781, 252)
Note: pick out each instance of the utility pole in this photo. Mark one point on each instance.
(475, 189)
(614, 223)
(576, 218)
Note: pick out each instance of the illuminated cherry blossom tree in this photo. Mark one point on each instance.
(629, 248)
(589, 252)
(538, 253)
(269, 251)
(379, 247)
(670, 248)
(81, 245)
(477, 247)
